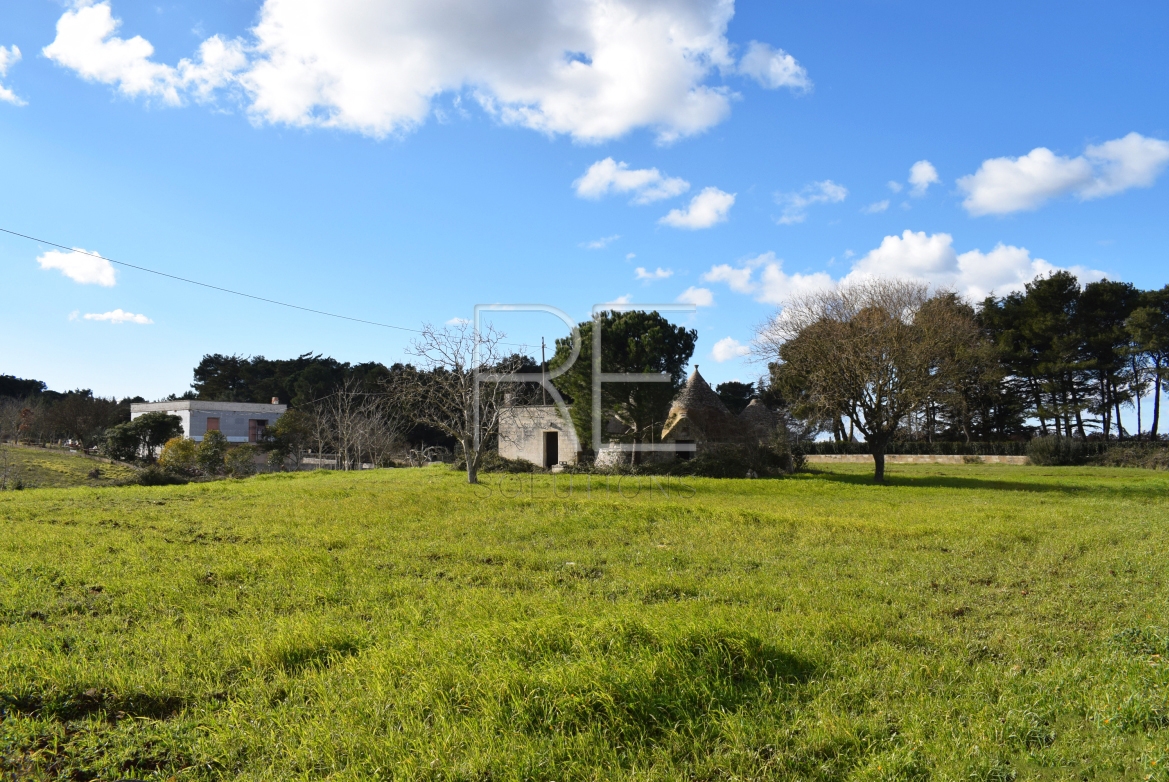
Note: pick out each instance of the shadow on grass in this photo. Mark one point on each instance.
(950, 482)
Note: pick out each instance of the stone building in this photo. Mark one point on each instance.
(537, 434)
(240, 422)
(698, 420)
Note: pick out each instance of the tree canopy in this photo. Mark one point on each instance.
(634, 341)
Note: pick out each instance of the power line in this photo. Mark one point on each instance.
(212, 287)
(222, 289)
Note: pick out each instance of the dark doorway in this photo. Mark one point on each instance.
(685, 450)
(551, 449)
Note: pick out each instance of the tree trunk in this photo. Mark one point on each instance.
(877, 447)
(1105, 409)
(472, 461)
(1156, 400)
(1038, 406)
(1119, 425)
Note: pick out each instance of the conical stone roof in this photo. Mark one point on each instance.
(699, 406)
(698, 395)
(760, 421)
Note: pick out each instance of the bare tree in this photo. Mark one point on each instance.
(10, 419)
(444, 394)
(358, 424)
(874, 351)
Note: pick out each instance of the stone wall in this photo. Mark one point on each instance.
(915, 459)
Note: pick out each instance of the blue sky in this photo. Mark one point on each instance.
(401, 162)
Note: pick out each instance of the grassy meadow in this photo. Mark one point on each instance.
(43, 467)
(962, 623)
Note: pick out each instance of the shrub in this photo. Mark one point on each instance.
(211, 452)
(122, 443)
(178, 456)
(276, 460)
(157, 476)
(240, 461)
(1149, 456)
(1055, 450)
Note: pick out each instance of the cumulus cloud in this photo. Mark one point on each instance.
(602, 243)
(795, 205)
(922, 174)
(928, 258)
(593, 69)
(87, 43)
(83, 266)
(876, 208)
(608, 176)
(763, 278)
(931, 258)
(728, 348)
(8, 57)
(699, 297)
(590, 69)
(708, 208)
(774, 68)
(1004, 185)
(119, 316)
(657, 274)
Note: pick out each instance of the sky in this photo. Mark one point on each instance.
(401, 162)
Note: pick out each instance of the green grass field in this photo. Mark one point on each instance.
(42, 467)
(961, 623)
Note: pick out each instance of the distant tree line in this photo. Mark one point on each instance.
(30, 412)
(887, 360)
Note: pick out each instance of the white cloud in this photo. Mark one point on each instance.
(773, 285)
(931, 258)
(699, 297)
(728, 348)
(1132, 161)
(602, 243)
(457, 322)
(876, 208)
(626, 299)
(630, 256)
(928, 258)
(119, 316)
(795, 205)
(83, 266)
(8, 57)
(774, 68)
(706, 209)
(608, 176)
(895, 186)
(86, 43)
(922, 174)
(1004, 185)
(592, 69)
(658, 274)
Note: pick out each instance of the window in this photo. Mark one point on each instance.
(256, 427)
(212, 424)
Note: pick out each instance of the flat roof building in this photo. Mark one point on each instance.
(240, 422)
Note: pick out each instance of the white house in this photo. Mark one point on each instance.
(240, 422)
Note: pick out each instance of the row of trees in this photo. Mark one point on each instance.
(895, 361)
(1072, 358)
(29, 412)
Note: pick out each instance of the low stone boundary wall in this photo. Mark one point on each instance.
(914, 459)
